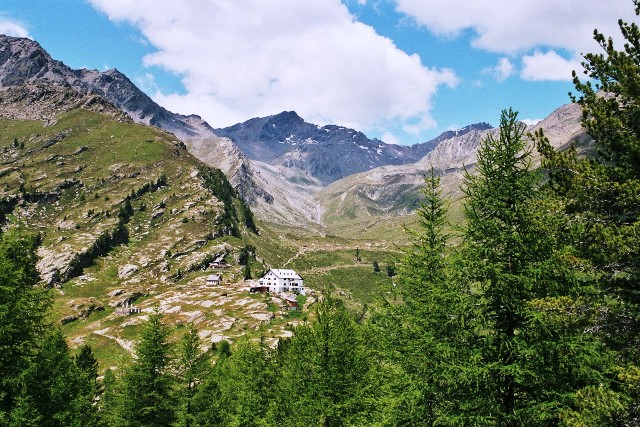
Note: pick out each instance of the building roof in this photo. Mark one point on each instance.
(283, 273)
(214, 277)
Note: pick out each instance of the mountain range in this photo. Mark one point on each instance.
(130, 209)
(290, 171)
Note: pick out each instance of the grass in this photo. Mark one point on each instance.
(118, 159)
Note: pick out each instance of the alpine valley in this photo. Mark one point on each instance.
(133, 202)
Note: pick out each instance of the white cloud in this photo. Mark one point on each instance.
(242, 58)
(502, 70)
(390, 138)
(531, 122)
(519, 27)
(12, 28)
(548, 66)
(509, 26)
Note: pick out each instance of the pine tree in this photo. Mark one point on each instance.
(531, 311)
(193, 365)
(23, 310)
(148, 385)
(428, 336)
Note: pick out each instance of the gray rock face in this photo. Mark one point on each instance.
(327, 153)
(24, 61)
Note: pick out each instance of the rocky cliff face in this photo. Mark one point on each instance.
(24, 61)
(327, 153)
(37, 101)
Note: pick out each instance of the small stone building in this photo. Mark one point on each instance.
(213, 280)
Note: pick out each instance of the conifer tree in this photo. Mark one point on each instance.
(148, 385)
(534, 354)
(602, 192)
(23, 310)
(428, 333)
(51, 384)
(236, 390)
(323, 373)
(193, 365)
(88, 388)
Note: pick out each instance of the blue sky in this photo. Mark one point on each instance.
(400, 70)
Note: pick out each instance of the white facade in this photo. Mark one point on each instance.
(280, 280)
(213, 280)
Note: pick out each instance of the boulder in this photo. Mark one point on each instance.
(127, 270)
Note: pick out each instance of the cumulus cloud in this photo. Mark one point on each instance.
(518, 27)
(548, 66)
(12, 28)
(390, 138)
(502, 70)
(508, 26)
(531, 122)
(244, 58)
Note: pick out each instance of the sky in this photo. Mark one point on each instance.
(403, 71)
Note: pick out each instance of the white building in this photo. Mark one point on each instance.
(280, 280)
(213, 280)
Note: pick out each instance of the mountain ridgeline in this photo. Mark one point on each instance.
(288, 170)
(327, 153)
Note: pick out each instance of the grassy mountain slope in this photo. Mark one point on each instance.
(126, 215)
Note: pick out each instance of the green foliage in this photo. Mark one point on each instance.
(23, 310)
(192, 368)
(247, 253)
(88, 388)
(324, 372)
(514, 256)
(391, 269)
(602, 193)
(428, 333)
(236, 391)
(147, 397)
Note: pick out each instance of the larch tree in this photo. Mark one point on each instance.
(323, 373)
(23, 311)
(601, 192)
(147, 393)
(192, 367)
(531, 311)
(427, 332)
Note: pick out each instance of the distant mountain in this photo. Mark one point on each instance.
(365, 199)
(24, 61)
(290, 171)
(326, 153)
